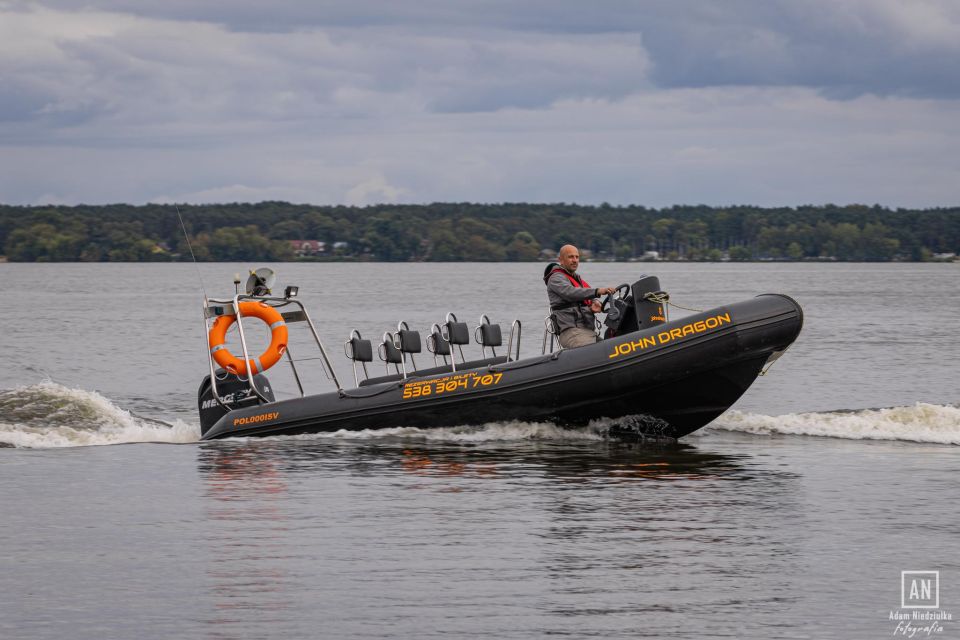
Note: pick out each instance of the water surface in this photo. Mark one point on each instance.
(748, 529)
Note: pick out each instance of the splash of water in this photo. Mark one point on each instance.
(507, 431)
(48, 415)
(920, 422)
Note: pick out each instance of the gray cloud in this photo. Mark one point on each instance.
(656, 103)
(717, 146)
(144, 73)
(845, 47)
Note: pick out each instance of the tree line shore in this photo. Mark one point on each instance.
(281, 231)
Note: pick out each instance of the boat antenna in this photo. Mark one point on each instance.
(203, 289)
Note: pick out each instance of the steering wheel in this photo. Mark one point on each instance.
(620, 292)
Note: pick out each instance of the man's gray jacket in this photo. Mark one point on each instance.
(566, 302)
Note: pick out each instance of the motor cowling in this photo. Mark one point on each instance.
(234, 393)
(650, 312)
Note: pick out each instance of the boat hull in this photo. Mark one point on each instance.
(662, 382)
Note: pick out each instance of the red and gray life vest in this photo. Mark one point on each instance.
(575, 280)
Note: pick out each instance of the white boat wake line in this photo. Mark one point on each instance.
(920, 422)
(507, 431)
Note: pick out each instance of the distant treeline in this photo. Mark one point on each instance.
(460, 231)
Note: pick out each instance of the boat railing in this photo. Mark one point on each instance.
(215, 308)
(550, 331)
(515, 328)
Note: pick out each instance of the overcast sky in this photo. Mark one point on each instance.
(766, 102)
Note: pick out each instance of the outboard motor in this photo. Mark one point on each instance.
(234, 392)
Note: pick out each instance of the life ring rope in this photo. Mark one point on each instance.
(259, 364)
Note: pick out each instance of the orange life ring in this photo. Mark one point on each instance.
(270, 357)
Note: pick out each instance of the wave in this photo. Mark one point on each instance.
(506, 431)
(49, 415)
(920, 422)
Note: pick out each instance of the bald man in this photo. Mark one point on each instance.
(572, 300)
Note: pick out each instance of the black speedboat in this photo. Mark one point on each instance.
(654, 377)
